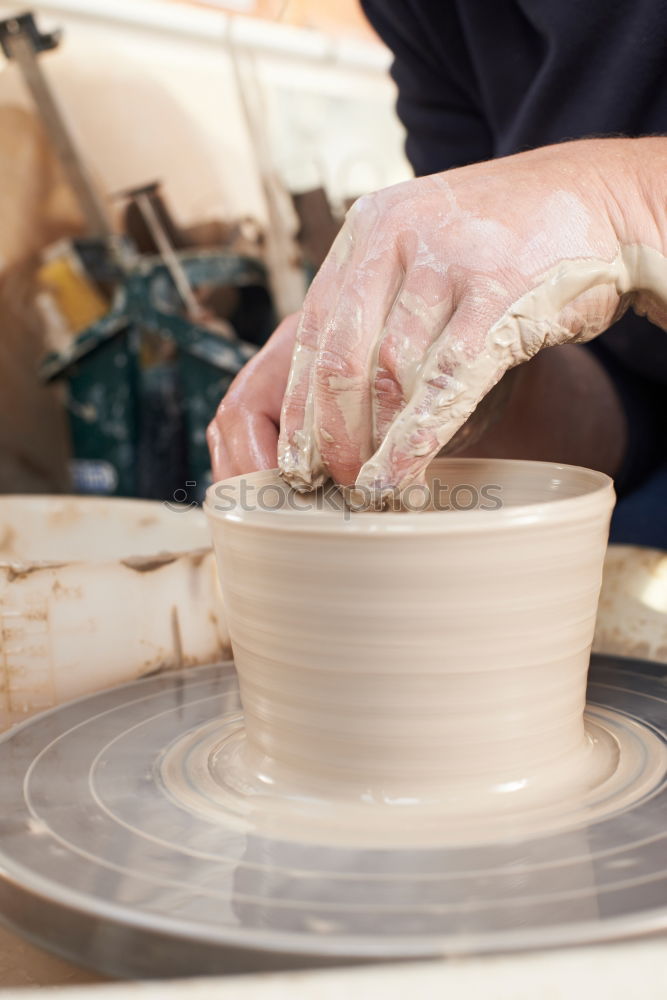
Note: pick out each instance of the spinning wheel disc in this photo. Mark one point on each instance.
(100, 863)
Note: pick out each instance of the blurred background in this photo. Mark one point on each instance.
(173, 172)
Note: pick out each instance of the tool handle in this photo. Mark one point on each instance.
(25, 25)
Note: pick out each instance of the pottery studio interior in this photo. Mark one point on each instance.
(333, 499)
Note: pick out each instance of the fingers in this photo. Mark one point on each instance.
(299, 457)
(461, 367)
(342, 384)
(327, 421)
(243, 435)
(417, 319)
(448, 388)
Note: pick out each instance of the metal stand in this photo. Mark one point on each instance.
(21, 42)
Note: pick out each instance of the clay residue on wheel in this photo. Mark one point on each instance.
(146, 564)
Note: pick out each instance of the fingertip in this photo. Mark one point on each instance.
(299, 460)
(409, 446)
(386, 476)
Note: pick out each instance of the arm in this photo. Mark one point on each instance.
(444, 125)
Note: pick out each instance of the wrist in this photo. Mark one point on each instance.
(633, 174)
(634, 178)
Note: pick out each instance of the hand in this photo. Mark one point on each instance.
(435, 287)
(243, 435)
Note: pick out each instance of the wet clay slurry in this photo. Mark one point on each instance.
(426, 659)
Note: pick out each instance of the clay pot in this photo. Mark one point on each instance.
(407, 655)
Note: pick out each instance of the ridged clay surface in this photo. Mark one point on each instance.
(419, 657)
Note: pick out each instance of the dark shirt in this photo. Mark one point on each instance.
(485, 78)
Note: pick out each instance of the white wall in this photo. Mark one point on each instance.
(150, 91)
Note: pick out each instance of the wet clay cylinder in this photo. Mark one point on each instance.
(419, 655)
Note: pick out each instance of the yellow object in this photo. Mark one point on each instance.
(77, 300)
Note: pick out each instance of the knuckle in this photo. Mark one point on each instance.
(336, 364)
(391, 360)
(222, 412)
(360, 209)
(388, 401)
(222, 419)
(395, 212)
(234, 396)
(212, 431)
(521, 338)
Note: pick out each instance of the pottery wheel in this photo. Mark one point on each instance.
(99, 863)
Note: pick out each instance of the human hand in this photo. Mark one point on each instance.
(435, 287)
(243, 435)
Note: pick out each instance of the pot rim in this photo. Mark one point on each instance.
(595, 498)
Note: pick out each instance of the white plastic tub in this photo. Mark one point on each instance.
(95, 592)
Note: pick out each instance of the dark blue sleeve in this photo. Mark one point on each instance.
(436, 99)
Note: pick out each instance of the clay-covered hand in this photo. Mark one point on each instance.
(435, 287)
